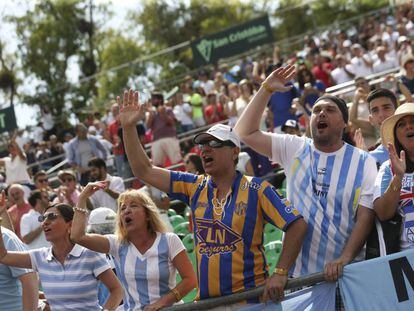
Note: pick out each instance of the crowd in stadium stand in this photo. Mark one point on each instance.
(111, 199)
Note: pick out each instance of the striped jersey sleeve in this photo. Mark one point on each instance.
(276, 209)
(13, 243)
(183, 185)
(383, 180)
(100, 262)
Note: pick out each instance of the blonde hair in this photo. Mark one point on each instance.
(155, 223)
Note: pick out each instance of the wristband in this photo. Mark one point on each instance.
(280, 271)
(267, 87)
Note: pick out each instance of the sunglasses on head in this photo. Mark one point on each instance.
(48, 216)
(216, 143)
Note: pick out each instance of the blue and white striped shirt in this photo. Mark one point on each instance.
(146, 277)
(74, 285)
(326, 188)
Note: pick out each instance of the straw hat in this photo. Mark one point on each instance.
(387, 128)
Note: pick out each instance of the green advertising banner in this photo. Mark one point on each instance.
(232, 41)
(7, 120)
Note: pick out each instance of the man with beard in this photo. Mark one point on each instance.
(329, 181)
(108, 196)
(229, 211)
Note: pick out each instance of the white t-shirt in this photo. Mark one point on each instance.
(327, 189)
(181, 113)
(359, 68)
(102, 199)
(389, 63)
(146, 277)
(340, 76)
(29, 223)
(16, 170)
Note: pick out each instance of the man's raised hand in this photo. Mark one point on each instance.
(277, 79)
(130, 110)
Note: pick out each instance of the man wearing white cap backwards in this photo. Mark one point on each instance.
(229, 210)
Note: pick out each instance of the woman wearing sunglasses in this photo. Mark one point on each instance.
(146, 256)
(69, 273)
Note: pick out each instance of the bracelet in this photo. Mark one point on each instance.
(177, 294)
(266, 86)
(280, 271)
(81, 210)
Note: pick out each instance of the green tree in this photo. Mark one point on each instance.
(49, 36)
(165, 25)
(117, 50)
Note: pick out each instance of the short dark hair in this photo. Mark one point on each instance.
(64, 209)
(34, 196)
(382, 93)
(38, 174)
(97, 162)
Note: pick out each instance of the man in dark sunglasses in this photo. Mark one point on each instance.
(228, 209)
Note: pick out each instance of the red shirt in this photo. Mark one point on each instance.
(214, 113)
(16, 214)
(113, 132)
(320, 73)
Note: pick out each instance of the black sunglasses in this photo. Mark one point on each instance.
(216, 143)
(48, 216)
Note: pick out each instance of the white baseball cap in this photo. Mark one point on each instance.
(102, 215)
(221, 132)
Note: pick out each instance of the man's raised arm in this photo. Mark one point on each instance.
(247, 127)
(131, 111)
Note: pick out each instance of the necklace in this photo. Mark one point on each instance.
(218, 205)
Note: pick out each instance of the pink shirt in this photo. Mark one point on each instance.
(16, 214)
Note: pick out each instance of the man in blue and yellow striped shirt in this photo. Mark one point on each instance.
(229, 210)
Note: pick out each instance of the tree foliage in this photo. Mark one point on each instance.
(117, 50)
(165, 25)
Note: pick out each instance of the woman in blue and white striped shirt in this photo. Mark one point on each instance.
(69, 273)
(146, 256)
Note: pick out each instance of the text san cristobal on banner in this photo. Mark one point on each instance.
(232, 41)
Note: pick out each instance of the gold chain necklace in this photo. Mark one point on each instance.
(218, 205)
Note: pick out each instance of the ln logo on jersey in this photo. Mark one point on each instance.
(215, 237)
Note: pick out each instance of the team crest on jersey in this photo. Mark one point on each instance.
(240, 208)
(252, 185)
(214, 237)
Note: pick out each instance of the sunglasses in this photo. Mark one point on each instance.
(216, 143)
(42, 180)
(48, 216)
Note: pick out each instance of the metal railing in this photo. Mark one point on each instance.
(210, 303)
